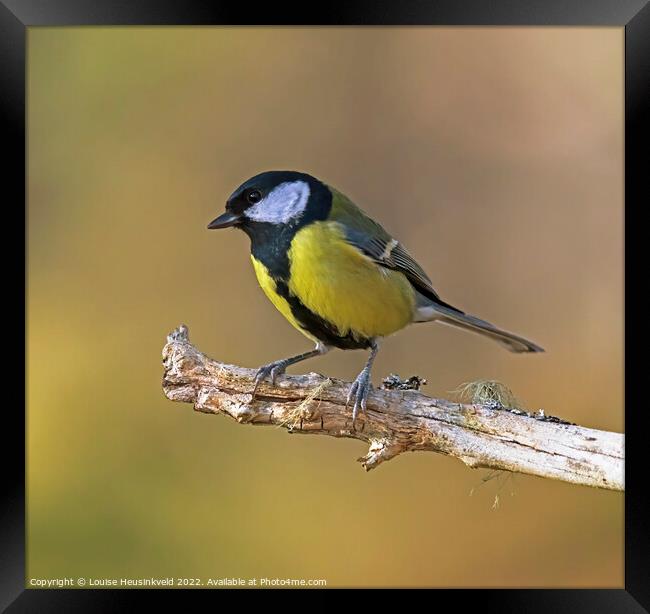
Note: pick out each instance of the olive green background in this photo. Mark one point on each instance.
(494, 154)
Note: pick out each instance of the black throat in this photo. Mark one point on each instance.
(270, 243)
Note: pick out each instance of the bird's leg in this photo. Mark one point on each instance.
(278, 367)
(361, 386)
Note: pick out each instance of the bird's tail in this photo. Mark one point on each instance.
(446, 314)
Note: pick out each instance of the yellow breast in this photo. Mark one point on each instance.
(268, 285)
(340, 284)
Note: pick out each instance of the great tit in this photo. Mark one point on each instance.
(335, 273)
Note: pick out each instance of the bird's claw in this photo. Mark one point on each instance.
(273, 369)
(359, 391)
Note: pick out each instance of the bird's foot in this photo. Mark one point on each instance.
(273, 369)
(359, 391)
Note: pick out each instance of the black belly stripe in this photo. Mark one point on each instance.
(317, 326)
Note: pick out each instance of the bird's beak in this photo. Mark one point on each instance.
(225, 220)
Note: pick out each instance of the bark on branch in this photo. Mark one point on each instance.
(396, 421)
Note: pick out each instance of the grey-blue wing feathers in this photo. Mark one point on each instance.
(371, 239)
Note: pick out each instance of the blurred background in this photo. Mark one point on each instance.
(494, 154)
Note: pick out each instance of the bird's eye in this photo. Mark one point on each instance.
(254, 196)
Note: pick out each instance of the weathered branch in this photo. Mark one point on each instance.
(396, 421)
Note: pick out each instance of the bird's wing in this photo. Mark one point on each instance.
(371, 239)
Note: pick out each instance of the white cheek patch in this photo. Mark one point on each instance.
(284, 203)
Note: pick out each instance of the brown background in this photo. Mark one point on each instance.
(494, 154)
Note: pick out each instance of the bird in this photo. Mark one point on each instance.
(336, 275)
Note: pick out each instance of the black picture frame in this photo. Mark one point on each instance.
(17, 15)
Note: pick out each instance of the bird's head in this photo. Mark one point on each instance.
(275, 197)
